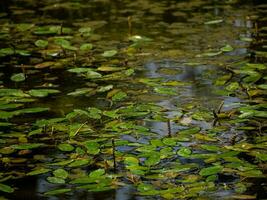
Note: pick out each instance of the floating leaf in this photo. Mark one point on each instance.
(6, 115)
(218, 21)
(164, 90)
(244, 197)
(31, 110)
(109, 68)
(233, 86)
(92, 147)
(153, 159)
(211, 170)
(41, 43)
(81, 91)
(263, 86)
(79, 70)
(83, 180)
(65, 147)
(80, 162)
(97, 173)
(18, 77)
(169, 141)
(51, 30)
(109, 53)
(240, 188)
(56, 192)
(42, 92)
(5, 124)
(93, 75)
(55, 180)
(189, 131)
(227, 48)
(86, 47)
(94, 113)
(138, 38)
(44, 65)
(38, 171)
(210, 54)
(12, 92)
(184, 152)
(105, 88)
(62, 163)
(6, 188)
(6, 52)
(131, 161)
(111, 114)
(205, 137)
(119, 96)
(26, 146)
(85, 31)
(65, 44)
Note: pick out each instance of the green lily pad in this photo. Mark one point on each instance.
(42, 92)
(109, 53)
(119, 96)
(6, 188)
(18, 77)
(13, 92)
(86, 47)
(227, 48)
(92, 147)
(85, 31)
(80, 162)
(41, 43)
(27, 146)
(55, 180)
(164, 90)
(65, 147)
(184, 152)
(153, 159)
(211, 170)
(38, 171)
(217, 21)
(56, 192)
(79, 70)
(97, 173)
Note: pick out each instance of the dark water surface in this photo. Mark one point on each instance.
(182, 51)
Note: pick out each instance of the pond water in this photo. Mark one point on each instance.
(136, 99)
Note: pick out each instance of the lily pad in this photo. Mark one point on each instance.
(6, 188)
(211, 170)
(41, 43)
(56, 192)
(18, 77)
(109, 53)
(65, 147)
(42, 92)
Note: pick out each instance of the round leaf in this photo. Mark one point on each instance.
(65, 147)
(18, 77)
(109, 53)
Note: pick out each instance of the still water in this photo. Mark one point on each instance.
(184, 49)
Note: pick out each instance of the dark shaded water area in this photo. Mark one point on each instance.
(133, 99)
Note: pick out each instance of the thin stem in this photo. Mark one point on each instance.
(130, 32)
(114, 156)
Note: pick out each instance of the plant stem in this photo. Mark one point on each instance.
(114, 156)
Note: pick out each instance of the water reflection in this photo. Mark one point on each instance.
(180, 22)
(198, 79)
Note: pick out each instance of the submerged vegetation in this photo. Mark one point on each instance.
(94, 104)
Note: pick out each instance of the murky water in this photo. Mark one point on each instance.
(182, 52)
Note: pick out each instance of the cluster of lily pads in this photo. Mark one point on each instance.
(103, 148)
